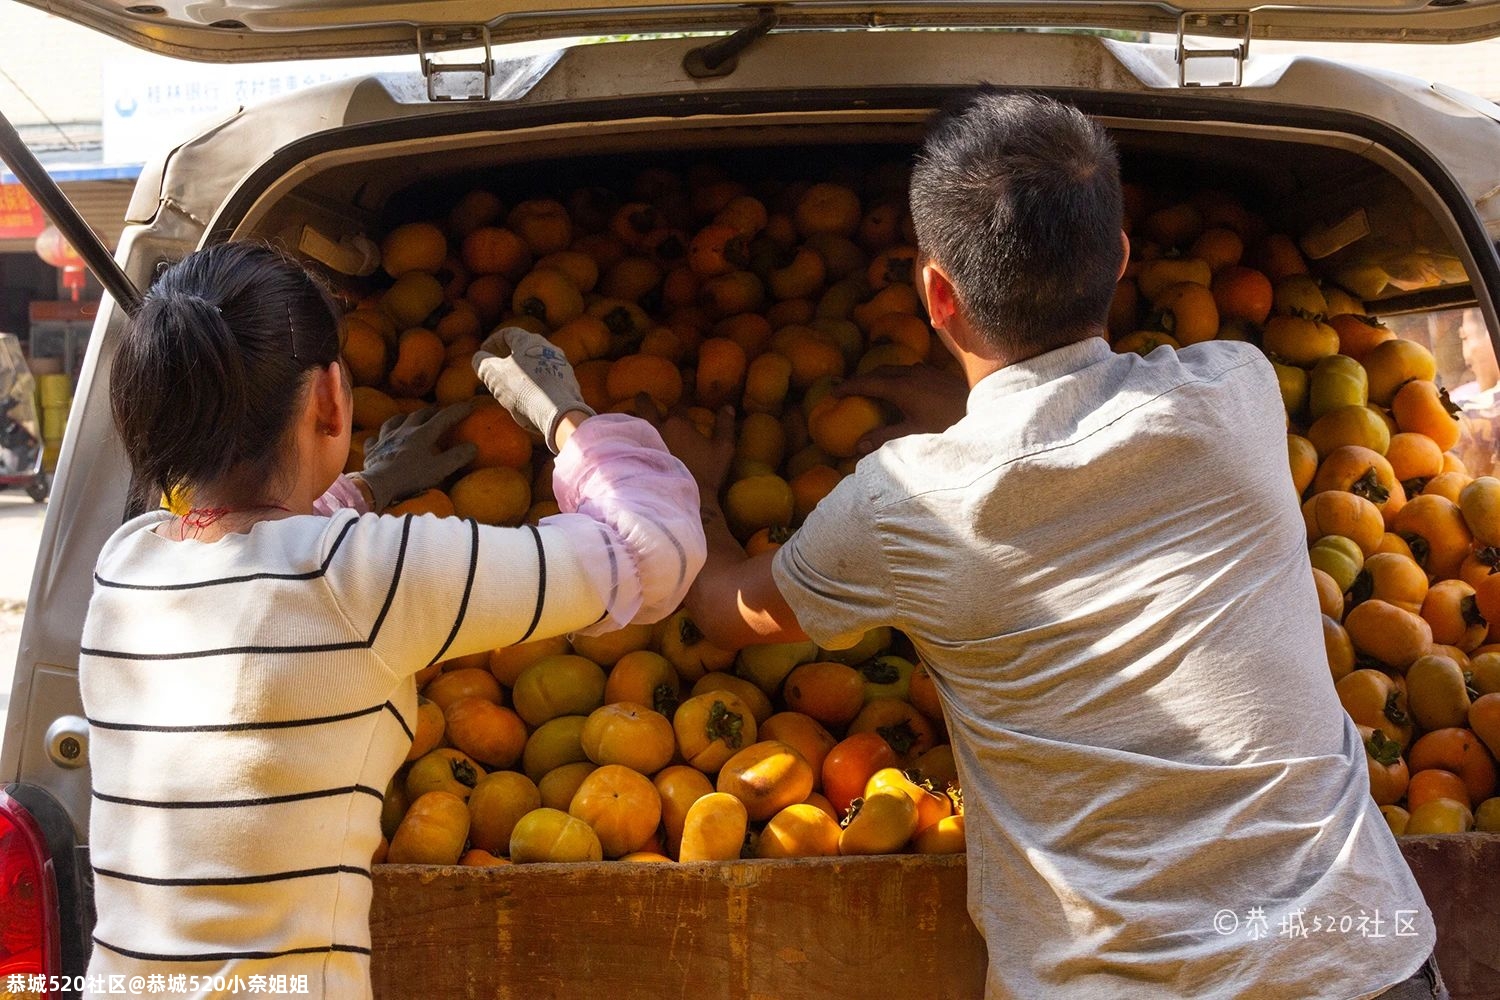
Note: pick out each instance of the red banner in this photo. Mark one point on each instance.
(20, 216)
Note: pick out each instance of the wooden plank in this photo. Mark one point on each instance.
(1460, 877)
(892, 928)
(886, 928)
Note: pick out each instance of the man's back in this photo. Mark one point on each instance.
(1104, 568)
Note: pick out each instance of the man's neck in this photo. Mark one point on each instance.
(988, 360)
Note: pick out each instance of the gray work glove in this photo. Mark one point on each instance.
(531, 378)
(404, 458)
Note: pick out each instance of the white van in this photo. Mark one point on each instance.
(1365, 167)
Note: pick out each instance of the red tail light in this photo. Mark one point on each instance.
(28, 905)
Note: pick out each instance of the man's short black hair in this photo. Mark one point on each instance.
(1017, 196)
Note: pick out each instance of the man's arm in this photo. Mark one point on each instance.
(735, 601)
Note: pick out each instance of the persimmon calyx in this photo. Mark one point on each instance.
(1382, 749)
(1370, 487)
(722, 724)
(1420, 549)
(899, 735)
(464, 773)
(1393, 710)
(664, 699)
(1454, 410)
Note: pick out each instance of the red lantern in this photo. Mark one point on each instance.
(55, 250)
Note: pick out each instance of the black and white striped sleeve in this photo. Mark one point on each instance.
(425, 588)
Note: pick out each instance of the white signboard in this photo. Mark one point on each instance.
(151, 103)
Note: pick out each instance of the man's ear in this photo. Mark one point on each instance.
(1124, 257)
(939, 294)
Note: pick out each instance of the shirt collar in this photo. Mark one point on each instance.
(1040, 370)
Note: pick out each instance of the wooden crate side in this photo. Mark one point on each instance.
(1460, 877)
(893, 928)
(889, 928)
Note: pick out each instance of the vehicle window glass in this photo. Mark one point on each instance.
(1467, 370)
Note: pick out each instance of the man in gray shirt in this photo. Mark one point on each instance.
(1103, 565)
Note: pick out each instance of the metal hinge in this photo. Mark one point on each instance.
(1218, 25)
(721, 57)
(458, 36)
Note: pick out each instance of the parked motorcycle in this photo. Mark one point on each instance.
(20, 431)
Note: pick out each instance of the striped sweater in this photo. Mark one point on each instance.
(250, 698)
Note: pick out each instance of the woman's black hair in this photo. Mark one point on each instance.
(206, 380)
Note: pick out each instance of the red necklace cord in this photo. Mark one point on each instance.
(202, 517)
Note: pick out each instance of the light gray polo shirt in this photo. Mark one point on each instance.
(1105, 569)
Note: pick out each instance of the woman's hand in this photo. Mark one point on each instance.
(532, 379)
(404, 459)
(930, 400)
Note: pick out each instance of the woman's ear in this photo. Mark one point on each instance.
(331, 400)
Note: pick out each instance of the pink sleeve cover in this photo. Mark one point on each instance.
(630, 509)
(343, 493)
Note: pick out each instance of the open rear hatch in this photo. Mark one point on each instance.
(251, 30)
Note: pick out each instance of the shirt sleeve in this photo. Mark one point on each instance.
(833, 572)
(630, 512)
(423, 588)
(342, 495)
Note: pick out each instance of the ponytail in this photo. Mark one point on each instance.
(206, 381)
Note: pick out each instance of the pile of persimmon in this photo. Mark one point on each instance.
(689, 291)
(696, 291)
(692, 292)
(650, 744)
(1404, 542)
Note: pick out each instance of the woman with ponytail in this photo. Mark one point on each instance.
(247, 664)
(226, 374)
